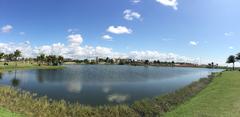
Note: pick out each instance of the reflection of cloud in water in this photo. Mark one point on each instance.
(119, 98)
(74, 87)
(106, 89)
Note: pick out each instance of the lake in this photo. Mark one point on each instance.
(104, 84)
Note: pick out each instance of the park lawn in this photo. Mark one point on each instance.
(220, 99)
(7, 113)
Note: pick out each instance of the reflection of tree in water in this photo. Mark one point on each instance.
(40, 77)
(0, 76)
(15, 81)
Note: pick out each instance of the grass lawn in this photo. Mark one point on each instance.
(220, 99)
(6, 113)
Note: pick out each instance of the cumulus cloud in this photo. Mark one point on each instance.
(193, 43)
(228, 34)
(6, 28)
(131, 15)
(107, 37)
(170, 3)
(89, 52)
(119, 30)
(75, 39)
(135, 1)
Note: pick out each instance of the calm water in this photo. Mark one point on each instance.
(104, 84)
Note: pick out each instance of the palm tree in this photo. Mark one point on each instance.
(17, 54)
(231, 59)
(238, 57)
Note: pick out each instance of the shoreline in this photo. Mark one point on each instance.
(138, 108)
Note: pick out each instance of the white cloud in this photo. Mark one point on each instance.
(131, 15)
(107, 37)
(229, 34)
(155, 55)
(7, 28)
(119, 30)
(22, 33)
(193, 43)
(82, 52)
(171, 3)
(135, 1)
(75, 39)
(231, 47)
(103, 51)
(72, 30)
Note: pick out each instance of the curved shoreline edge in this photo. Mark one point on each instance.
(29, 104)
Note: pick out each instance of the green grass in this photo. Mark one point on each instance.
(7, 113)
(25, 66)
(220, 99)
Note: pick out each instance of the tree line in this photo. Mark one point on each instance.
(53, 60)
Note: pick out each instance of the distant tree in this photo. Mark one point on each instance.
(52, 60)
(146, 62)
(173, 63)
(9, 57)
(42, 58)
(231, 59)
(60, 60)
(1, 55)
(17, 54)
(212, 64)
(107, 60)
(86, 61)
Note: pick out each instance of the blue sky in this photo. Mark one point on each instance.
(203, 29)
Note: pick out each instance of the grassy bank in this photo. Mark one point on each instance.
(158, 106)
(220, 99)
(31, 106)
(7, 113)
(25, 66)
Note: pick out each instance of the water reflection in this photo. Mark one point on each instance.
(15, 82)
(40, 77)
(118, 98)
(103, 84)
(1, 76)
(106, 89)
(74, 87)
